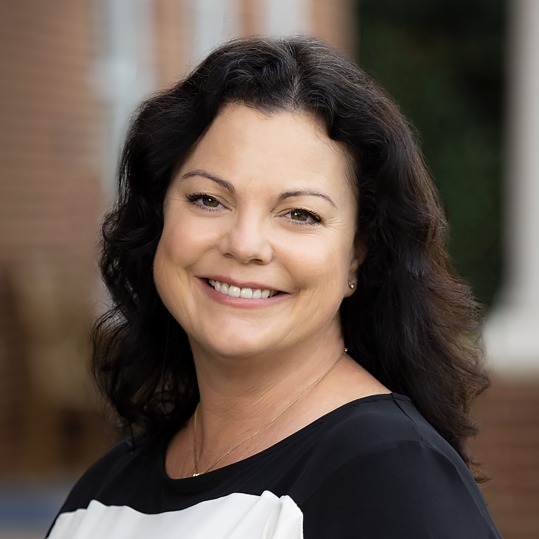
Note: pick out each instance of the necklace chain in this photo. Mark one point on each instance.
(299, 396)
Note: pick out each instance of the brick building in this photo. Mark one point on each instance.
(71, 73)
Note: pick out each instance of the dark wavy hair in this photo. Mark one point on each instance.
(410, 323)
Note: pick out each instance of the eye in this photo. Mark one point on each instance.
(304, 216)
(206, 201)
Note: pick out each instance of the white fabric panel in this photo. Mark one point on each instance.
(238, 516)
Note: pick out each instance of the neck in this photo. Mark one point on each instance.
(266, 425)
(252, 388)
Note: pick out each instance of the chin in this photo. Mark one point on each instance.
(238, 350)
(234, 347)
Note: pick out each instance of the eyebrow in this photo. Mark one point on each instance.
(230, 188)
(199, 172)
(306, 192)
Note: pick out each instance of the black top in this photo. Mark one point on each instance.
(373, 468)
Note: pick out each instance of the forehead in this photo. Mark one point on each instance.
(285, 144)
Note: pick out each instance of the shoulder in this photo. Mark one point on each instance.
(126, 461)
(387, 433)
(391, 473)
(377, 424)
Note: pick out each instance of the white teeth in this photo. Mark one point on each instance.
(246, 293)
(237, 292)
(234, 291)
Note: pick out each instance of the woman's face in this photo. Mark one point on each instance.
(258, 241)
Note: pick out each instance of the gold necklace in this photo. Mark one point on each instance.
(301, 394)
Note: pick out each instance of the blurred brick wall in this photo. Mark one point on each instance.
(171, 39)
(334, 22)
(49, 206)
(508, 449)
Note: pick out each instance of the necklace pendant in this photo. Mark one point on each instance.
(196, 474)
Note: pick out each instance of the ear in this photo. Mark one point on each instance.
(360, 252)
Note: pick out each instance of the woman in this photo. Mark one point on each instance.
(286, 338)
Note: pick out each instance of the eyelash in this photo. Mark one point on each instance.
(315, 218)
(197, 200)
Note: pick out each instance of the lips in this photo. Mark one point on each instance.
(240, 292)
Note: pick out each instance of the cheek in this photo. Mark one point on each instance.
(176, 245)
(170, 274)
(324, 267)
(169, 259)
(161, 272)
(164, 258)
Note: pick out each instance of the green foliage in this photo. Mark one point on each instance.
(443, 63)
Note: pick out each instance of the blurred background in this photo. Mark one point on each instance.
(466, 73)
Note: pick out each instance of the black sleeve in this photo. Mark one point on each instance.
(94, 479)
(410, 491)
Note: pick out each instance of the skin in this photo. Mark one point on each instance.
(262, 202)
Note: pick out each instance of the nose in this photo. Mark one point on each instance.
(246, 239)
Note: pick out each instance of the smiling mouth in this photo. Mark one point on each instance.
(237, 292)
